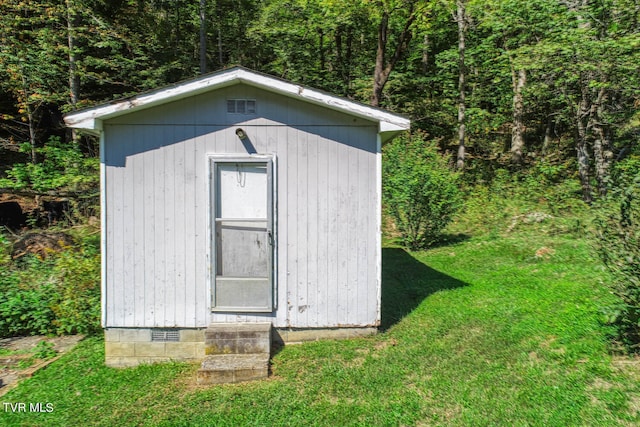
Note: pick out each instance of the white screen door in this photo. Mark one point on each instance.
(242, 238)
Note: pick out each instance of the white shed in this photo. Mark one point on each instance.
(232, 198)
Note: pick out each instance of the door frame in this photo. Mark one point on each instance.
(270, 161)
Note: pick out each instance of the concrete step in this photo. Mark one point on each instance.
(235, 352)
(233, 368)
(238, 338)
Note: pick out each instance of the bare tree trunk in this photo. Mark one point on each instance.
(383, 68)
(461, 18)
(519, 80)
(379, 74)
(548, 136)
(582, 151)
(74, 77)
(321, 48)
(602, 143)
(203, 37)
(425, 53)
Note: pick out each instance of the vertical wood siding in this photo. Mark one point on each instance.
(157, 200)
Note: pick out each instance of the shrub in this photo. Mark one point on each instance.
(26, 312)
(59, 295)
(420, 191)
(63, 166)
(76, 303)
(618, 244)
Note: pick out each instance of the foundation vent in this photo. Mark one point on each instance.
(165, 335)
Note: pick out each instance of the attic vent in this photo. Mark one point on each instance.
(241, 106)
(164, 335)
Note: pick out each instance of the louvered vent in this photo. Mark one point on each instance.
(241, 106)
(165, 335)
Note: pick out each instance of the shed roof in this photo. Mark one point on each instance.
(90, 119)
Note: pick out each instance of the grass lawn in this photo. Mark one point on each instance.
(493, 330)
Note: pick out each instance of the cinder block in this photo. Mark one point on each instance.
(192, 335)
(216, 334)
(233, 368)
(149, 349)
(301, 335)
(205, 377)
(253, 345)
(112, 334)
(221, 346)
(180, 350)
(119, 349)
(250, 374)
(200, 350)
(135, 335)
(121, 362)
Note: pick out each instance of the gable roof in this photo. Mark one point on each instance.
(90, 119)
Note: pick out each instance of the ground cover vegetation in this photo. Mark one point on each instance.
(510, 293)
(503, 325)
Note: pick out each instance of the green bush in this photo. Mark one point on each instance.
(63, 166)
(76, 303)
(59, 295)
(26, 312)
(618, 243)
(420, 190)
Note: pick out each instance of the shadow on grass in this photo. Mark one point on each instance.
(406, 282)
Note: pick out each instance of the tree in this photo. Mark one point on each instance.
(462, 19)
(419, 189)
(407, 11)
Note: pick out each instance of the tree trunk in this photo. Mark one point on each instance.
(548, 135)
(383, 68)
(582, 151)
(602, 143)
(203, 37)
(74, 77)
(425, 53)
(461, 18)
(321, 48)
(519, 80)
(379, 74)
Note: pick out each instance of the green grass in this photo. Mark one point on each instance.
(477, 333)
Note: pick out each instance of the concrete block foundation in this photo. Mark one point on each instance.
(126, 347)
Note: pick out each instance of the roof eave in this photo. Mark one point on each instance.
(91, 119)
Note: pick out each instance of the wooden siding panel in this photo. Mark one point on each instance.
(290, 222)
(333, 222)
(137, 218)
(344, 218)
(158, 271)
(282, 234)
(364, 252)
(321, 256)
(201, 263)
(179, 233)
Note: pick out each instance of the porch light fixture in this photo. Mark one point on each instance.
(241, 133)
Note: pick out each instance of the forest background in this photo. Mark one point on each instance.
(542, 94)
(547, 86)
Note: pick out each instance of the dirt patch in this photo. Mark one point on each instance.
(41, 244)
(10, 367)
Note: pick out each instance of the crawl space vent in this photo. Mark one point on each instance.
(165, 335)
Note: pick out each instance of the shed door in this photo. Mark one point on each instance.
(243, 240)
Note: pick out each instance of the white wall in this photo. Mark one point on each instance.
(156, 180)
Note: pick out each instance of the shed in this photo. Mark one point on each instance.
(237, 198)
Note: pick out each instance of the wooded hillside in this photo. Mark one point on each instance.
(550, 87)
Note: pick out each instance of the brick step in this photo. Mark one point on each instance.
(239, 338)
(233, 368)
